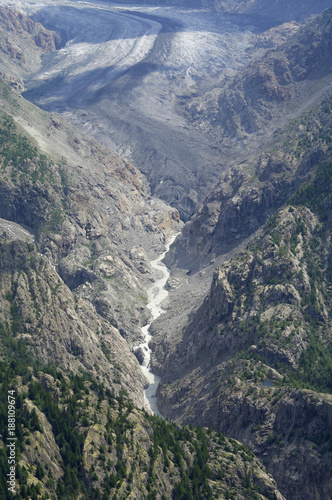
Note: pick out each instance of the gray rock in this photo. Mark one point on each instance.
(140, 355)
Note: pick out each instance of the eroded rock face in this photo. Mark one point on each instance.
(84, 258)
(90, 216)
(264, 91)
(139, 353)
(62, 328)
(22, 42)
(19, 23)
(251, 334)
(247, 194)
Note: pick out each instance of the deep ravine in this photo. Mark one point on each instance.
(156, 295)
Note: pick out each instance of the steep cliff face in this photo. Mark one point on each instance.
(90, 212)
(269, 89)
(249, 193)
(255, 357)
(40, 312)
(22, 43)
(18, 23)
(75, 289)
(264, 330)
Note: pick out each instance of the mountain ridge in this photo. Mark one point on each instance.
(22, 43)
(250, 355)
(263, 329)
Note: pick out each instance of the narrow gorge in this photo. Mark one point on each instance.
(165, 248)
(157, 293)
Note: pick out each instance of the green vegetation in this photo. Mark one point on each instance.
(15, 149)
(195, 462)
(100, 444)
(296, 253)
(45, 184)
(310, 131)
(18, 154)
(317, 193)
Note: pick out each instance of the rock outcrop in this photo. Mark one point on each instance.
(22, 43)
(264, 92)
(22, 25)
(247, 194)
(262, 330)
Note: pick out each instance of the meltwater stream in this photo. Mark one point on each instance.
(156, 294)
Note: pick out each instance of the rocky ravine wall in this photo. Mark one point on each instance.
(93, 220)
(22, 43)
(250, 336)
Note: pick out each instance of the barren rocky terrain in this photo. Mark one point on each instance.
(149, 81)
(123, 74)
(218, 112)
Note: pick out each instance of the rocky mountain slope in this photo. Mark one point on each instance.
(256, 99)
(271, 90)
(90, 212)
(77, 228)
(77, 439)
(93, 228)
(260, 348)
(248, 193)
(22, 43)
(254, 359)
(39, 313)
